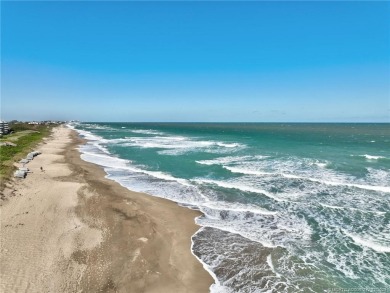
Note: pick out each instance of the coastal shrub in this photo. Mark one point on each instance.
(25, 142)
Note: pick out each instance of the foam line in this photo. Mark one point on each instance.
(290, 176)
(113, 162)
(353, 209)
(369, 157)
(367, 243)
(271, 265)
(206, 267)
(221, 206)
(148, 131)
(226, 160)
(239, 187)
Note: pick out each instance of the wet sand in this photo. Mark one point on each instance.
(69, 229)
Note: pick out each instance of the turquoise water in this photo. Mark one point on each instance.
(287, 207)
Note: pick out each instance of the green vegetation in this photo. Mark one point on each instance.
(26, 137)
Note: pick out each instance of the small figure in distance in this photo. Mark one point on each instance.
(41, 169)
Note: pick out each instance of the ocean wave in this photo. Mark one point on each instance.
(234, 228)
(244, 188)
(216, 287)
(320, 164)
(271, 231)
(234, 272)
(174, 145)
(147, 131)
(228, 145)
(104, 160)
(237, 207)
(247, 171)
(378, 176)
(299, 216)
(90, 136)
(112, 162)
(230, 159)
(352, 209)
(97, 127)
(291, 176)
(370, 157)
(366, 242)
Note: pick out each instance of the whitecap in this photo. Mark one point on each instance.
(370, 157)
(230, 159)
(366, 242)
(174, 145)
(147, 131)
(89, 136)
(352, 209)
(239, 187)
(117, 163)
(247, 171)
(237, 207)
(291, 176)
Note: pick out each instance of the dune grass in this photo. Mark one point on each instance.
(26, 137)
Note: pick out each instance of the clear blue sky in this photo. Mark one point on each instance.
(196, 61)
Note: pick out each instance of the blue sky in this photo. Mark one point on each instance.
(196, 61)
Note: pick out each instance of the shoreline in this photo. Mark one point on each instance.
(106, 237)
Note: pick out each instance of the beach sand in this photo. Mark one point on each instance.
(69, 229)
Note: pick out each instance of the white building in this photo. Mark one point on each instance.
(4, 128)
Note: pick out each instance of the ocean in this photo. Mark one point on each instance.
(287, 207)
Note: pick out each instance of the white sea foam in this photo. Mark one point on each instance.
(370, 157)
(321, 165)
(247, 171)
(271, 265)
(278, 229)
(102, 148)
(291, 176)
(164, 176)
(97, 127)
(147, 131)
(361, 186)
(352, 209)
(113, 162)
(228, 145)
(279, 224)
(174, 145)
(104, 160)
(366, 242)
(247, 232)
(239, 187)
(71, 125)
(217, 287)
(89, 136)
(237, 207)
(378, 176)
(230, 159)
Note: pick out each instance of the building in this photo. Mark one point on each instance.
(4, 127)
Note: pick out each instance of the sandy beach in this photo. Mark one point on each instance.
(69, 229)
